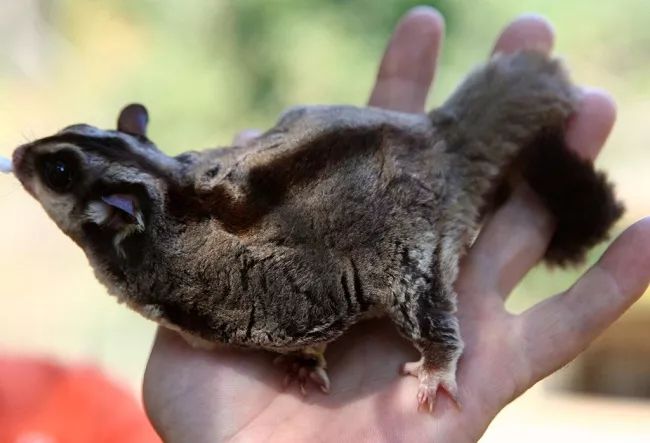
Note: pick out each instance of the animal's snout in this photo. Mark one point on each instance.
(18, 156)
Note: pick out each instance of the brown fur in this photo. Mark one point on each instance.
(336, 214)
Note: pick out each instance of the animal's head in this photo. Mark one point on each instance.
(104, 188)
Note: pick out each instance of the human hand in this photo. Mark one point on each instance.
(200, 396)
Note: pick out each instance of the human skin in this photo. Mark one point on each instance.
(237, 395)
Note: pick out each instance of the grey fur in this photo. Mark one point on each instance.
(334, 215)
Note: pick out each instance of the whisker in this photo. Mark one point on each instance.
(26, 138)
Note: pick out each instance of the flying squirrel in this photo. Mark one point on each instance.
(334, 215)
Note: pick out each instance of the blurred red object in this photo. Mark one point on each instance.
(42, 402)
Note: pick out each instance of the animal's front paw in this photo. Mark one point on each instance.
(304, 366)
(431, 379)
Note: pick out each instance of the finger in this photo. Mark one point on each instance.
(589, 128)
(512, 225)
(408, 66)
(526, 32)
(243, 137)
(556, 330)
(515, 238)
(178, 375)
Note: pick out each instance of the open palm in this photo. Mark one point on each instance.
(199, 396)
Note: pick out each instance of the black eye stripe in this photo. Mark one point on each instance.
(113, 149)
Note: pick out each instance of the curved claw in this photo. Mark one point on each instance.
(304, 367)
(430, 380)
(319, 376)
(426, 399)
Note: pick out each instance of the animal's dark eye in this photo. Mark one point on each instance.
(58, 171)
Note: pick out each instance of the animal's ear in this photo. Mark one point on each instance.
(133, 119)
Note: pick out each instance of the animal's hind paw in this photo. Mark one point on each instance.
(430, 380)
(305, 366)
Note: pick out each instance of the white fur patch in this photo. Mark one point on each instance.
(152, 312)
(97, 212)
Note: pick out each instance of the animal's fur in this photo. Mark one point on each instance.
(335, 214)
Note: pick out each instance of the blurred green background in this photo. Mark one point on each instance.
(207, 69)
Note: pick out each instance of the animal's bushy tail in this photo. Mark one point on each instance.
(581, 198)
(508, 119)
